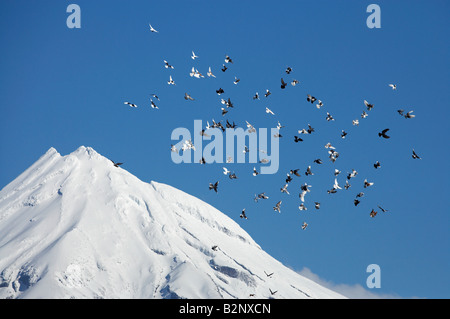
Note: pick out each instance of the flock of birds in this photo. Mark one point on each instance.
(333, 154)
(304, 188)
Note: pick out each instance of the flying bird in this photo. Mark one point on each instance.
(373, 213)
(318, 161)
(209, 73)
(284, 189)
(414, 155)
(347, 184)
(269, 111)
(256, 96)
(255, 172)
(377, 164)
(236, 80)
(283, 84)
(267, 93)
(355, 122)
(297, 139)
(393, 86)
(224, 68)
(153, 105)
(329, 117)
(188, 97)
(268, 275)
(308, 171)
(152, 29)
(228, 59)
(336, 185)
(250, 127)
(155, 96)
(171, 81)
(369, 106)
(310, 98)
(302, 207)
(261, 196)
(295, 172)
(277, 207)
(242, 215)
(193, 56)
(167, 65)
(343, 134)
(367, 184)
(304, 225)
(220, 91)
(382, 209)
(317, 205)
(383, 133)
(130, 104)
(213, 186)
(319, 104)
(288, 70)
(232, 176)
(409, 115)
(116, 164)
(294, 82)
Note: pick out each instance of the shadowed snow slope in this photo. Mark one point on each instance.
(75, 226)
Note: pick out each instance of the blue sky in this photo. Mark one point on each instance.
(65, 88)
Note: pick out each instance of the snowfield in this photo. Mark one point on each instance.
(75, 226)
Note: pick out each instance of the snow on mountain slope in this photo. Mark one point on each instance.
(75, 226)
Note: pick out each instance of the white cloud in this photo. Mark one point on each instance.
(355, 291)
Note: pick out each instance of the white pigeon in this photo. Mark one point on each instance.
(194, 56)
(336, 185)
(171, 81)
(152, 29)
(269, 111)
(355, 122)
(226, 171)
(236, 80)
(173, 148)
(210, 73)
(393, 86)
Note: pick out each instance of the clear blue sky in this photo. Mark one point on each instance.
(64, 88)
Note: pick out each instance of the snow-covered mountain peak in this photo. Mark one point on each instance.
(76, 226)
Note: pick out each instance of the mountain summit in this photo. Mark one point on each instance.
(76, 226)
